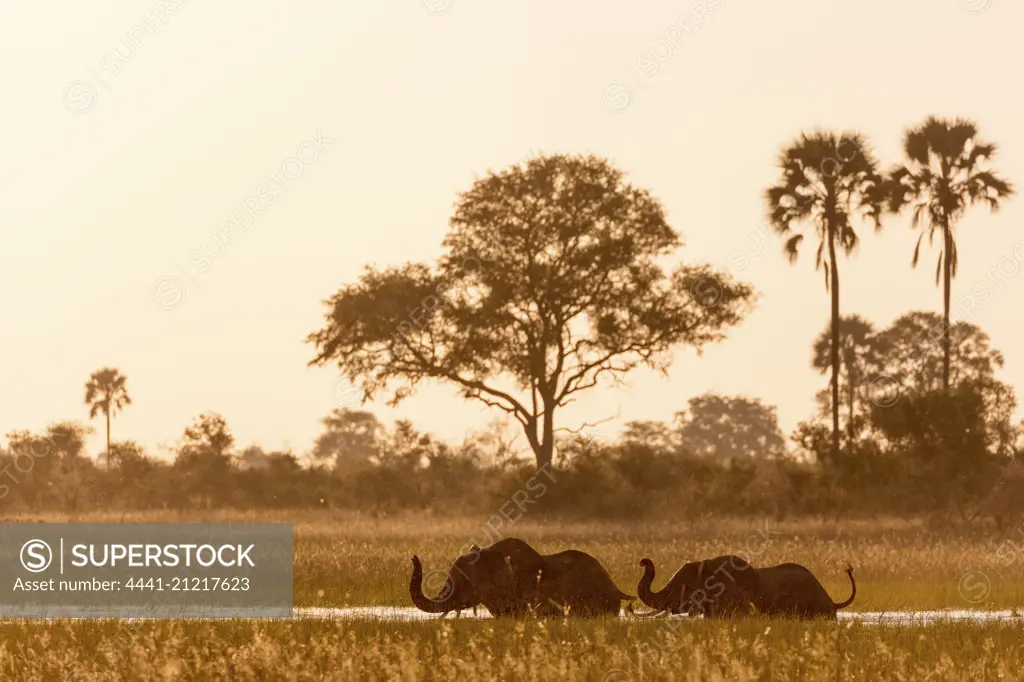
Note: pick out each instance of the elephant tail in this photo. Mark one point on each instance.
(853, 584)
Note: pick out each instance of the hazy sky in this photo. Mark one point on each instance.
(121, 163)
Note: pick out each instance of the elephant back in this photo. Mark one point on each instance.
(579, 574)
(519, 553)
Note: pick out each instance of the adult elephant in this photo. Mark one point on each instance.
(720, 587)
(513, 580)
(729, 586)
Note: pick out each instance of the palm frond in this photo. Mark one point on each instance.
(980, 151)
(915, 146)
(917, 251)
(959, 134)
(792, 247)
(815, 169)
(850, 240)
(915, 220)
(988, 187)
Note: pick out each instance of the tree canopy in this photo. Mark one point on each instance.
(730, 428)
(548, 286)
(351, 440)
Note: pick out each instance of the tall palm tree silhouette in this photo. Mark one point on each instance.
(826, 179)
(855, 351)
(106, 392)
(946, 171)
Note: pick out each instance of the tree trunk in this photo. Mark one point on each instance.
(850, 394)
(543, 444)
(546, 454)
(947, 272)
(547, 444)
(108, 437)
(834, 284)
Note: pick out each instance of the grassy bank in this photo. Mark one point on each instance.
(610, 651)
(345, 560)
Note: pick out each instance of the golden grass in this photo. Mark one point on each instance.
(350, 559)
(608, 651)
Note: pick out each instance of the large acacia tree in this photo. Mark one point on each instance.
(548, 286)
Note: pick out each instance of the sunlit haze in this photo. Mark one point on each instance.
(122, 164)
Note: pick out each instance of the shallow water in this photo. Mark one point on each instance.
(400, 613)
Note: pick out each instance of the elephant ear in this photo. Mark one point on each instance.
(690, 574)
(740, 571)
(507, 558)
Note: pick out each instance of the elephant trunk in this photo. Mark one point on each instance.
(445, 600)
(655, 600)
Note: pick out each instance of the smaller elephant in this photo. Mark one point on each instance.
(792, 590)
(729, 586)
(716, 588)
(574, 583)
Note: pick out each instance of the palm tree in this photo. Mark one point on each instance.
(856, 336)
(106, 392)
(826, 180)
(946, 171)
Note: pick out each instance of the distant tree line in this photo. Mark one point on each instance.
(910, 447)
